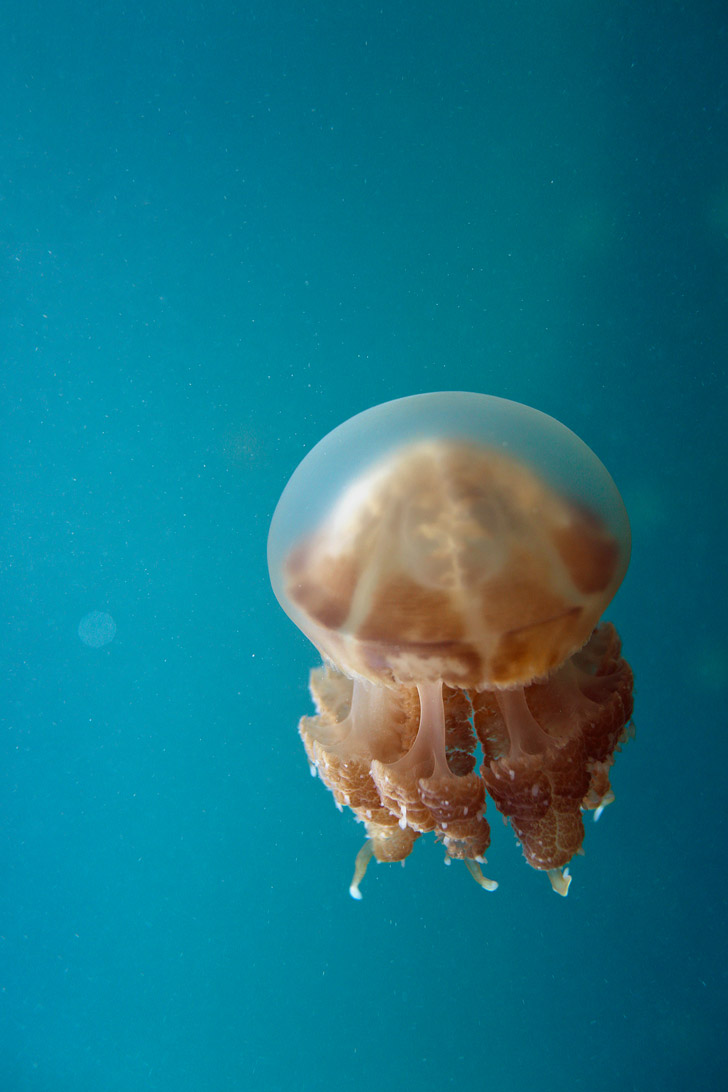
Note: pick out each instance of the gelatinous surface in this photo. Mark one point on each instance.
(453, 562)
(450, 556)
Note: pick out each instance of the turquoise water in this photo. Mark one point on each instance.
(225, 229)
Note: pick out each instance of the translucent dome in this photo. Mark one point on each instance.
(451, 536)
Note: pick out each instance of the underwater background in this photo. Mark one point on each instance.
(226, 228)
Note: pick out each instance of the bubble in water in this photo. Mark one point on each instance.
(97, 629)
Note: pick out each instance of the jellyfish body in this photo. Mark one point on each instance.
(450, 556)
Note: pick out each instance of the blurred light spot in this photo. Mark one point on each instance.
(97, 629)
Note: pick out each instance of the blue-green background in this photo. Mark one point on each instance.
(225, 228)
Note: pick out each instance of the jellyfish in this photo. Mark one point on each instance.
(450, 556)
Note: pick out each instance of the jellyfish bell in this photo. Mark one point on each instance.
(449, 532)
(450, 555)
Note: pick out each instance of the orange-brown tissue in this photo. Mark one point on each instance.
(450, 556)
(547, 749)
